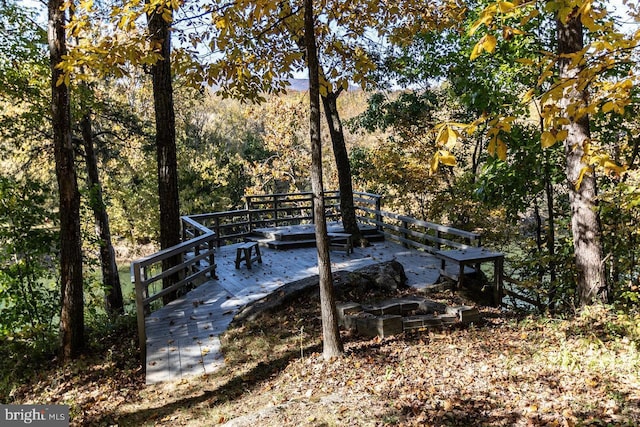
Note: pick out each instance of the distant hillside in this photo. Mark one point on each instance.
(302, 85)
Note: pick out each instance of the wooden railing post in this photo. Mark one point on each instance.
(140, 309)
(247, 206)
(212, 260)
(275, 210)
(379, 217)
(216, 230)
(405, 235)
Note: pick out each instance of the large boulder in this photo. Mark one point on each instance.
(386, 276)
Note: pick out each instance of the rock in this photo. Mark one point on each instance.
(388, 275)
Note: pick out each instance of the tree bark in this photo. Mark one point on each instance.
(72, 312)
(347, 208)
(332, 345)
(585, 222)
(114, 303)
(168, 195)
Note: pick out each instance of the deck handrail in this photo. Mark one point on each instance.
(198, 261)
(433, 233)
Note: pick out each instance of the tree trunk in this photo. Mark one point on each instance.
(347, 208)
(114, 303)
(332, 345)
(72, 312)
(585, 223)
(551, 233)
(165, 142)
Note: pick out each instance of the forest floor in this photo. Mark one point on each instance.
(508, 370)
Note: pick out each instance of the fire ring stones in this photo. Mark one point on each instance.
(392, 317)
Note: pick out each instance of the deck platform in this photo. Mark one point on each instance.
(183, 336)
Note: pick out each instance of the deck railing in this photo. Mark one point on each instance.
(201, 233)
(419, 234)
(270, 210)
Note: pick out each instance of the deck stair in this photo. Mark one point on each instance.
(302, 236)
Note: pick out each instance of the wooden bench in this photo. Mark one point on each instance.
(341, 242)
(473, 256)
(244, 253)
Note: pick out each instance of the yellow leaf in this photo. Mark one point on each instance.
(583, 171)
(447, 136)
(486, 44)
(505, 6)
(502, 149)
(525, 61)
(611, 166)
(547, 139)
(562, 135)
(447, 158)
(608, 106)
(434, 164)
(485, 19)
(477, 50)
(221, 23)
(490, 43)
(60, 80)
(491, 149)
(528, 96)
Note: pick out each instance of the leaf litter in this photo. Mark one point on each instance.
(508, 370)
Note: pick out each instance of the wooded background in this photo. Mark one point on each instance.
(518, 120)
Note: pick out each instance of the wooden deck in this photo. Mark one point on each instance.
(182, 337)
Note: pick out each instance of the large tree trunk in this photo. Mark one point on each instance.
(585, 223)
(110, 279)
(341, 156)
(72, 313)
(332, 345)
(165, 141)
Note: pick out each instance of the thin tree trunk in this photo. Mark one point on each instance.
(585, 223)
(332, 345)
(72, 312)
(536, 212)
(165, 142)
(347, 208)
(551, 233)
(114, 303)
